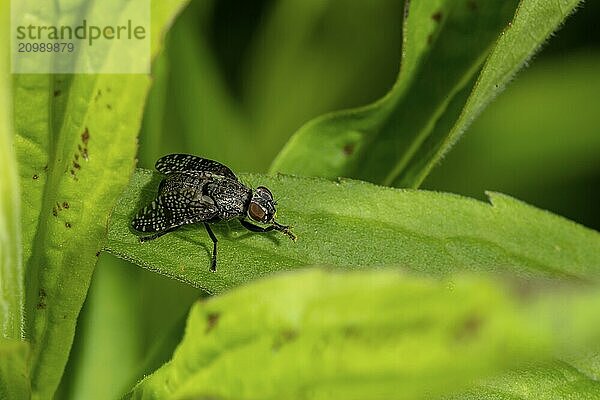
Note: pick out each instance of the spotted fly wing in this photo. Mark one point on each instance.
(186, 162)
(171, 210)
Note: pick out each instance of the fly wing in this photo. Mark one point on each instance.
(173, 209)
(186, 162)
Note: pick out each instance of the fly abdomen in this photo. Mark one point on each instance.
(180, 181)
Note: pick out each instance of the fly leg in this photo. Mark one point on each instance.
(157, 234)
(213, 264)
(254, 228)
(281, 228)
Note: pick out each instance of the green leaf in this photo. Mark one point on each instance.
(352, 224)
(14, 362)
(573, 377)
(76, 144)
(398, 139)
(558, 380)
(561, 130)
(445, 43)
(107, 374)
(120, 296)
(14, 369)
(382, 334)
(534, 22)
(318, 69)
(12, 291)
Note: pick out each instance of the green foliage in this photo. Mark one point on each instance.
(89, 381)
(356, 224)
(329, 47)
(68, 188)
(398, 139)
(14, 369)
(223, 112)
(558, 380)
(12, 293)
(561, 130)
(75, 143)
(232, 88)
(360, 335)
(533, 22)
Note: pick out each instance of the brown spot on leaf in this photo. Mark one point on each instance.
(83, 150)
(351, 331)
(284, 337)
(97, 254)
(85, 136)
(429, 38)
(54, 211)
(349, 149)
(109, 106)
(523, 290)
(469, 328)
(35, 177)
(65, 204)
(57, 93)
(211, 321)
(41, 299)
(437, 17)
(472, 5)
(67, 224)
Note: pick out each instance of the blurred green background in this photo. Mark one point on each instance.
(235, 81)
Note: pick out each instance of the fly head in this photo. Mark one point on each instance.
(262, 206)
